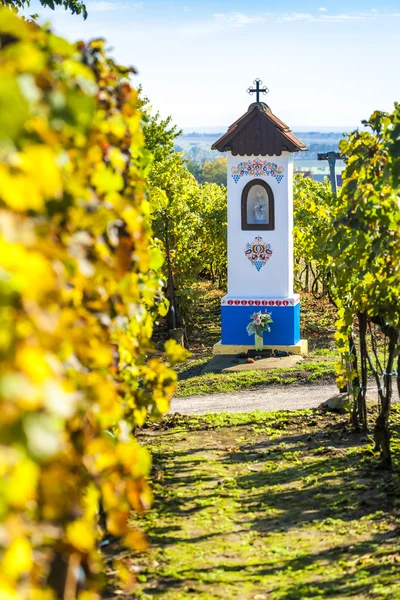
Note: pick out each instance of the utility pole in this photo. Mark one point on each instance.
(331, 157)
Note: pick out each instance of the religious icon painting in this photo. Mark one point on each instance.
(258, 252)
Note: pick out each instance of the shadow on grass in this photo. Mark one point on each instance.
(277, 421)
(354, 582)
(318, 481)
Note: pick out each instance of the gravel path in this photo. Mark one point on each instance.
(272, 398)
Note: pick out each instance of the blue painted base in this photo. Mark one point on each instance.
(285, 329)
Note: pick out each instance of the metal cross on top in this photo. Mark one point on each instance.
(258, 89)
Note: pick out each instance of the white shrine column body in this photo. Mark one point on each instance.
(275, 278)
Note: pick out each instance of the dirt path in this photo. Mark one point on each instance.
(272, 398)
(267, 399)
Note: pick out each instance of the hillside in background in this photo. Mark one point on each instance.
(197, 148)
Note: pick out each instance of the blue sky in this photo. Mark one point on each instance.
(325, 63)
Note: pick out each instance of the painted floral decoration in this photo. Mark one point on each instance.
(257, 168)
(258, 252)
(259, 322)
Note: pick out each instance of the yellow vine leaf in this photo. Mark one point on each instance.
(81, 535)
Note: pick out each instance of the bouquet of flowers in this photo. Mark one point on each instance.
(259, 323)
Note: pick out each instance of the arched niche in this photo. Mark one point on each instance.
(258, 206)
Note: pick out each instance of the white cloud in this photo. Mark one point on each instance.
(186, 9)
(102, 6)
(238, 19)
(296, 17)
(222, 22)
(327, 18)
(340, 18)
(105, 6)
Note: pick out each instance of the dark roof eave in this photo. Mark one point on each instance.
(293, 145)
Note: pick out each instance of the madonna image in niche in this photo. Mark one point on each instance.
(257, 206)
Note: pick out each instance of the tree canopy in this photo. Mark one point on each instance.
(210, 171)
(189, 218)
(77, 7)
(363, 253)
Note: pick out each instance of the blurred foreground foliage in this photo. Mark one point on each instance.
(80, 289)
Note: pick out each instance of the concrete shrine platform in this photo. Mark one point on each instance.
(226, 363)
(300, 348)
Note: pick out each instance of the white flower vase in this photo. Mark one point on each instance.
(258, 341)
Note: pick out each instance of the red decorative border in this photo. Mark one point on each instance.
(256, 302)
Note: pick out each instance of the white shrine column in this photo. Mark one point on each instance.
(275, 279)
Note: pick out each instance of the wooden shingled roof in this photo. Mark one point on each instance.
(258, 133)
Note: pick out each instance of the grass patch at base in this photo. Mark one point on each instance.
(210, 383)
